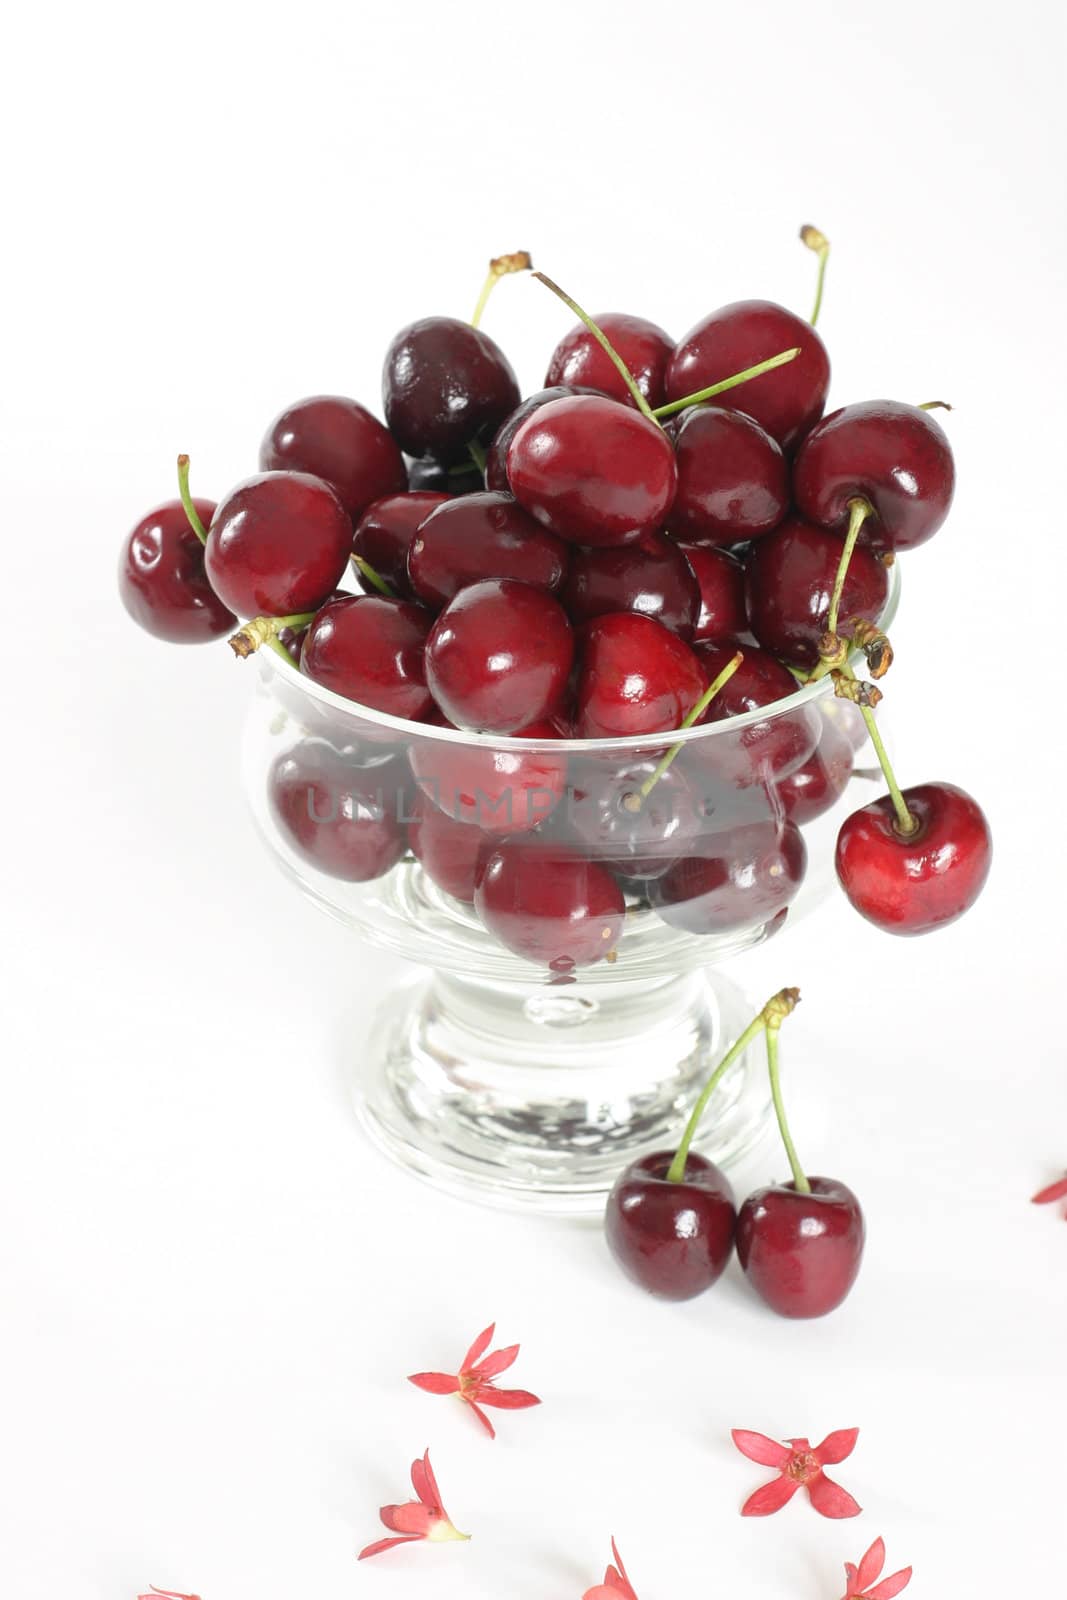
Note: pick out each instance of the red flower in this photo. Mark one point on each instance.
(1055, 1191)
(165, 1594)
(615, 1583)
(798, 1466)
(861, 1578)
(474, 1383)
(424, 1518)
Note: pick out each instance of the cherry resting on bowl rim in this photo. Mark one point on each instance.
(635, 677)
(499, 655)
(371, 650)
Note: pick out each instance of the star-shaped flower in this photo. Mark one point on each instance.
(799, 1466)
(862, 1580)
(475, 1384)
(1055, 1191)
(616, 1584)
(424, 1518)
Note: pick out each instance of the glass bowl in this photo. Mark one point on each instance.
(542, 1052)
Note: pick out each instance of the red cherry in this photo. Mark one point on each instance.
(653, 578)
(789, 579)
(444, 385)
(894, 456)
(635, 677)
(913, 883)
(593, 470)
(721, 580)
(499, 656)
(760, 752)
(817, 786)
(786, 401)
(278, 544)
(485, 535)
(733, 479)
(496, 461)
(340, 441)
(452, 853)
(499, 791)
(801, 1252)
(384, 533)
(371, 650)
(645, 349)
(742, 876)
(343, 821)
(163, 582)
(548, 905)
(637, 836)
(674, 1239)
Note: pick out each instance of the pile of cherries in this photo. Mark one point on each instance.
(665, 534)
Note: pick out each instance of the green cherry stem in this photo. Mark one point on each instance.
(605, 344)
(774, 1022)
(935, 405)
(187, 500)
(781, 360)
(906, 823)
(688, 720)
(265, 630)
(858, 512)
(499, 267)
(375, 579)
(477, 455)
(816, 240)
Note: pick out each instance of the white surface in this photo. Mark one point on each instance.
(212, 1289)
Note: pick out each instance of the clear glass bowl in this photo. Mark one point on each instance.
(534, 1081)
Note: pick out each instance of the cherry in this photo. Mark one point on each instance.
(496, 790)
(593, 470)
(371, 650)
(162, 580)
(801, 1251)
(653, 578)
(447, 481)
(549, 905)
(342, 821)
(721, 580)
(452, 853)
(278, 544)
(384, 533)
(445, 385)
(485, 535)
(818, 785)
(895, 457)
(733, 478)
(636, 835)
(912, 882)
(496, 461)
(499, 656)
(636, 677)
(787, 401)
(673, 1238)
(338, 440)
(580, 359)
(742, 876)
(789, 582)
(761, 751)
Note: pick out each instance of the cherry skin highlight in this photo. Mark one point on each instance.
(673, 1239)
(549, 905)
(277, 544)
(653, 578)
(444, 385)
(721, 581)
(163, 582)
(645, 349)
(592, 470)
(733, 478)
(341, 821)
(787, 401)
(495, 790)
(496, 461)
(740, 876)
(371, 650)
(914, 883)
(485, 535)
(341, 442)
(801, 1252)
(499, 656)
(384, 533)
(789, 579)
(635, 677)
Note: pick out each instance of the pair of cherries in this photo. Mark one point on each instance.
(672, 1224)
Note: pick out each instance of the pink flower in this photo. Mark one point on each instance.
(1055, 1191)
(474, 1383)
(799, 1466)
(424, 1518)
(615, 1584)
(861, 1578)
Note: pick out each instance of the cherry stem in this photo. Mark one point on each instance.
(935, 405)
(688, 720)
(191, 512)
(800, 1181)
(605, 344)
(816, 240)
(265, 630)
(477, 455)
(499, 267)
(375, 579)
(906, 823)
(858, 512)
(781, 360)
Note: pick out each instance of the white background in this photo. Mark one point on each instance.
(212, 1289)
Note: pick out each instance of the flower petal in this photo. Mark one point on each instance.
(498, 1362)
(387, 1544)
(412, 1517)
(425, 1484)
(870, 1565)
(829, 1499)
(434, 1382)
(757, 1447)
(891, 1587)
(507, 1399)
(1055, 1191)
(482, 1418)
(618, 1562)
(478, 1348)
(851, 1578)
(772, 1497)
(836, 1446)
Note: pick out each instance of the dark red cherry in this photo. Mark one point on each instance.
(787, 401)
(444, 385)
(635, 677)
(485, 535)
(721, 581)
(384, 533)
(742, 876)
(789, 579)
(496, 462)
(162, 580)
(644, 348)
(278, 544)
(894, 456)
(371, 650)
(653, 578)
(762, 751)
(499, 656)
(452, 853)
(343, 821)
(637, 836)
(817, 786)
(801, 1252)
(593, 470)
(340, 441)
(549, 905)
(733, 478)
(430, 476)
(499, 791)
(913, 883)
(674, 1239)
